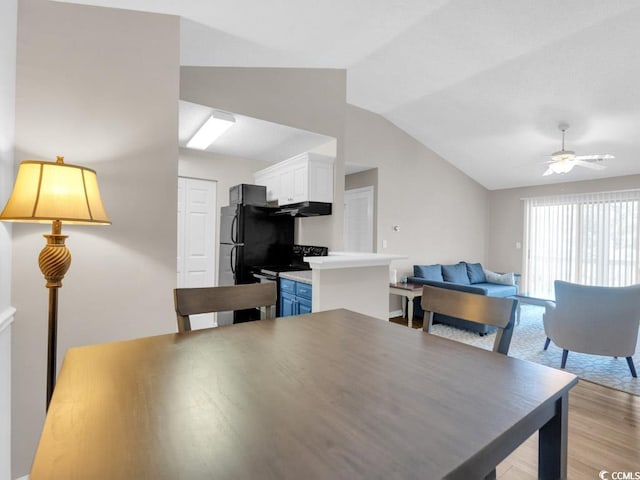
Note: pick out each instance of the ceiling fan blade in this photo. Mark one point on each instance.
(595, 157)
(548, 172)
(591, 165)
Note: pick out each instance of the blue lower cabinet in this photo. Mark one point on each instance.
(287, 304)
(287, 286)
(303, 290)
(304, 306)
(295, 298)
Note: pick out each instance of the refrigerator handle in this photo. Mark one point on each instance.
(234, 230)
(232, 261)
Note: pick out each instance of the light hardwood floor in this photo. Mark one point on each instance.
(604, 434)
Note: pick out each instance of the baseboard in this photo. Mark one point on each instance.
(26, 477)
(395, 313)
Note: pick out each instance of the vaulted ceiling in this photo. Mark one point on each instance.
(484, 83)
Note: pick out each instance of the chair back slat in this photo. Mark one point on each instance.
(193, 301)
(483, 309)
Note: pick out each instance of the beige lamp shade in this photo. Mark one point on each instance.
(49, 191)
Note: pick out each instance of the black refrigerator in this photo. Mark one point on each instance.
(251, 236)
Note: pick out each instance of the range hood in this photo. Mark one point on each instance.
(304, 209)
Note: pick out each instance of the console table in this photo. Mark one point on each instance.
(408, 291)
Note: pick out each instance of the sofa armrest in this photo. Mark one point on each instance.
(449, 285)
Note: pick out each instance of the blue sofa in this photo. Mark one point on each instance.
(465, 277)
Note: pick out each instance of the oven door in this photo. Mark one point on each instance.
(267, 277)
(264, 277)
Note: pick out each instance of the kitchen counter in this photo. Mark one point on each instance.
(303, 276)
(351, 280)
(350, 260)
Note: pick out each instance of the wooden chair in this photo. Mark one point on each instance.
(192, 301)
(493, 311)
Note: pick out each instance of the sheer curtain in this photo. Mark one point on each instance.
(591, 239)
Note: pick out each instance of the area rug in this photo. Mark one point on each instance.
(527, 344)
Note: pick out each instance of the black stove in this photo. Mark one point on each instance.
(276, 269)
(272, 272)
(301, 251)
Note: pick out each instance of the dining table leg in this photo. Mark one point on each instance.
(552, 443)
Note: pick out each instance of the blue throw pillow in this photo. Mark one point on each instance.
(428, 272)
(455, 273)
(475, 273)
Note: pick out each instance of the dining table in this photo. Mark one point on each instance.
(327, 395)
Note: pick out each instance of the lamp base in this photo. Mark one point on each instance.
(52, 343)
(55, 258)
(54, 261)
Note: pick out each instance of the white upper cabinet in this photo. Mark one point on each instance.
(305, 177)
(271, 180)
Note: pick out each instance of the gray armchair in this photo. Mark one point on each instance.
(594, 320)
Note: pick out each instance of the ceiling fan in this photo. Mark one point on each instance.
(563, 160)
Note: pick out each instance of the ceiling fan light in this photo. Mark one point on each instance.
(563, 156)
(562, 166)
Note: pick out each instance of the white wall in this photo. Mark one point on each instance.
(506, 215)
(8, 25)
(309, 99)
(224, 169)
(99, 86)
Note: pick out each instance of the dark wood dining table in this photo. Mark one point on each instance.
(327, 395)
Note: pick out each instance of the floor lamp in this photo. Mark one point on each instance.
(56, 193)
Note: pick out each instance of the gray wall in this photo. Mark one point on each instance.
(8, 26)
(506, 215)
(99, 86)
(441, 212)
(309, 99)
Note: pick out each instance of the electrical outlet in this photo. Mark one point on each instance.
(384, 244)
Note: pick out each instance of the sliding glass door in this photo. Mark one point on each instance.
(591, 239)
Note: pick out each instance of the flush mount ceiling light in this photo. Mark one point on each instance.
(216, 125)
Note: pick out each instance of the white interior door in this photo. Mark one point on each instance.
(196, 239)
(358, 220)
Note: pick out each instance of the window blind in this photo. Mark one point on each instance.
(591, 239)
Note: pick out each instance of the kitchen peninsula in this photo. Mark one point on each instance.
(355, 281)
